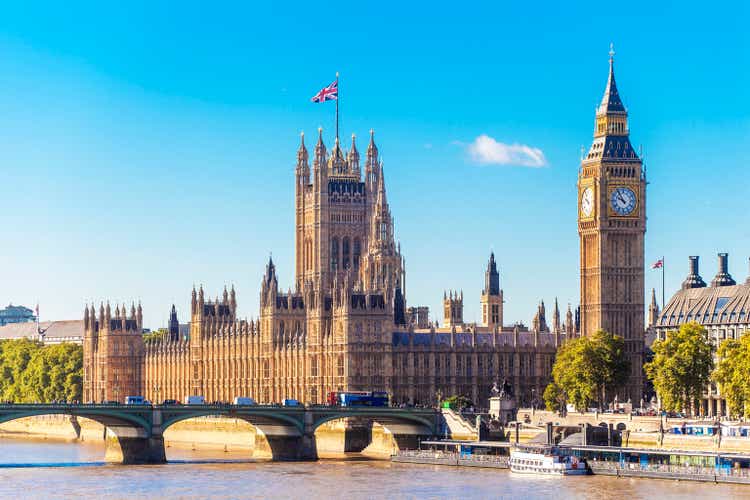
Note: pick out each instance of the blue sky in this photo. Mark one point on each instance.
(146, 148)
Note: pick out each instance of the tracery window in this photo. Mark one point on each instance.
(334, 254)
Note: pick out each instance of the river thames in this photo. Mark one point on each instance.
(46, 469)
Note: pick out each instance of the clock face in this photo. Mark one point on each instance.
(587, 202)
(622, 200)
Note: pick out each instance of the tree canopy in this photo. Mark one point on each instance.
(733, 375)
(682, 366)
(33, 372)
(585, 369)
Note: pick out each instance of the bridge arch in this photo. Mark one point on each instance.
(394, 430)
(103, 416)
(279, 432)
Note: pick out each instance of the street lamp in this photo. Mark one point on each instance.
(156, 393)
(533, 400)
(116, 390)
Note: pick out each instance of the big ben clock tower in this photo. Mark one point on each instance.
(611, 226)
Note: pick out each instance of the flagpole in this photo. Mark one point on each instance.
(663, 265)
(338, 96)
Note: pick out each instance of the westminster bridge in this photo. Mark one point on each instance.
(135, 433)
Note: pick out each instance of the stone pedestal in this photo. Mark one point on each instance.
(503, 409)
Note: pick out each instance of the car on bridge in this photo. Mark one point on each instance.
(241, 401)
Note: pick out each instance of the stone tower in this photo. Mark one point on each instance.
(492, 296)
(113, 347)
(453, 308)
(611, 226)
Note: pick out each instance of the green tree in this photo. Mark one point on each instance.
(613, 367)
(585, 369)
(554, 397)
(682, 366)
(33, 372)
(732, 375)
(155, 335)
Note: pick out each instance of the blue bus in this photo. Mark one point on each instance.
(363, 398)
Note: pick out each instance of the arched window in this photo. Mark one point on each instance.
(340, 366)
(334, 254)
(383, 231)
(356, 253)
(345, 252)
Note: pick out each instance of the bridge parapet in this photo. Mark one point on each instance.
(134, 433)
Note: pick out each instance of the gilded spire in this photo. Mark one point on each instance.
(611, 102)
(372, 149)
(302, 155)
(353, 153)
(320, 148)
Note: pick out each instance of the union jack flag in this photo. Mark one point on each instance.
(329, 93)
(658, 264)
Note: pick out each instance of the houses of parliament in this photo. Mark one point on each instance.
(345, 323)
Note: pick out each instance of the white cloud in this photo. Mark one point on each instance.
(487, 151)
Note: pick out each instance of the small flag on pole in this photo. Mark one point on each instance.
(658, 264)
(329, 93)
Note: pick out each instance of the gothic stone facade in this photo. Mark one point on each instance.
(344, 325)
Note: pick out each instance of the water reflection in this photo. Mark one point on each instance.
(44, 469)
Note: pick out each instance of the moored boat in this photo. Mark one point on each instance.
(548, 460)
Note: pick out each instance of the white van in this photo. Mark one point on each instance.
(243, 401)
(195, 400)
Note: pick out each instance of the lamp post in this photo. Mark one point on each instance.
(116, 390)
(156, 393)
(533, 400)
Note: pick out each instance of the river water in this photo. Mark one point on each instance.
(46, 469)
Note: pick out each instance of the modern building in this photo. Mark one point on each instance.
(344, 325)
(723, 307)
(611, 226)
(16, 314)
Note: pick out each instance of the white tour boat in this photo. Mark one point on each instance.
(545, 460)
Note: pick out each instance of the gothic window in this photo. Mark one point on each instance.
(266, 369)
(383, 231)
(355, 254)
(334, 254)
(281, 329)
(345, 252)
(340, 366)
(314, 366)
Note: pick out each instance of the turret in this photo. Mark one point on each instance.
(86, 319)
(556, 318)
(569, 323)
(320, 168)
(371, 163)
(353, 158)
(303, 167)
(174, 325)
(492, 277)
(233, 302)
(653, 309)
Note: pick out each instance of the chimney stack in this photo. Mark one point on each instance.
(693, 279)
(723, 278)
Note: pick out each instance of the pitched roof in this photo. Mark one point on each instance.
(69, 329)
(715, 305)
